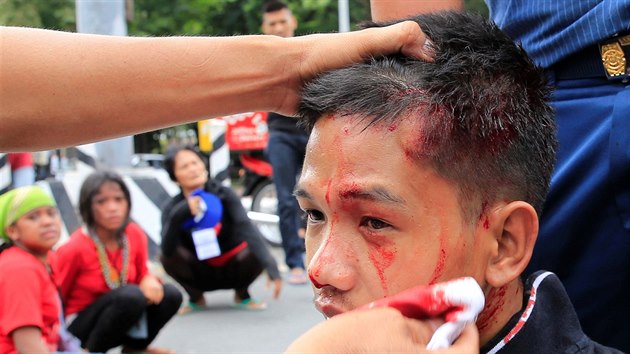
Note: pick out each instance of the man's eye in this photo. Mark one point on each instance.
(313, 215)
(375, 224)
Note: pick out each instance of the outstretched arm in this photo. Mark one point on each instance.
(60, 89)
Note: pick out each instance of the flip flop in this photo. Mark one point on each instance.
(250, 304)
(189, 307)
(297, 278)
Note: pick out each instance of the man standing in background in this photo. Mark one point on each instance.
(22, 169)
(285, 151)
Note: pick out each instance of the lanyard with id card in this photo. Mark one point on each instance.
(204, 232)
(206, 243)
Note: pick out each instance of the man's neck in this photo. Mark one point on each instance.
(501, 304)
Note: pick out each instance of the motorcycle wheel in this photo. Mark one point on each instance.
(265, 200)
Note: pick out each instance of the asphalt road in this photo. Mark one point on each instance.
(219, 328)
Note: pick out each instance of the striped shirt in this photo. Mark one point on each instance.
(551, 30)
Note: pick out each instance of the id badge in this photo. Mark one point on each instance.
(206, 244)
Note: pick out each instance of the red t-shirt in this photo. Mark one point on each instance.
(28, 297)
(18, 160)
(80, 275)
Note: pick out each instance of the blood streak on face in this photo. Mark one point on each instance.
(381, 249)
(328, 192)
(486, 223)
(325, 258)
(439, 267)
(382, 254)
(483, 215)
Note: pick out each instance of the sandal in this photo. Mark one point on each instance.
(190, 307)
(250, 304)
(297, 276)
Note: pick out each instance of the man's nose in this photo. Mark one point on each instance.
(278, 27)
(333, 263)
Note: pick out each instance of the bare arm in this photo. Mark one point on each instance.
(28, 340)
(60, 89)
(383, 10)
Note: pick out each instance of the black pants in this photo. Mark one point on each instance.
(104, 324)
(197, 277)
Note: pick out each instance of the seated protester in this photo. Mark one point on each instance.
(30, 307)
(439, 171)
(111, 298)
(208, 242)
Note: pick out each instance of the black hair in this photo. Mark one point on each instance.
(482, 108)
(5, 245)
(273, 6)
(171, 154)
(90, 188)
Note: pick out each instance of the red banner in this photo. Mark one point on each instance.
(247, 131)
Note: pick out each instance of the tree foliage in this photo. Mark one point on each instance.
(230, 17)
(51, 14)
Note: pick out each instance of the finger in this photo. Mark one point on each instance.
(417, 46)
(277, 289)
(405, 37)
(468, 341)
(421, 331)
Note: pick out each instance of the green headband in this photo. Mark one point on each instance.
(17, 202)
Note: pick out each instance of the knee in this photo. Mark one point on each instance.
(172, 296)
(131, 298)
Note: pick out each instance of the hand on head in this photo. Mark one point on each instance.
(325, 52)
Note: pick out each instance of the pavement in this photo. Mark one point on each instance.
(220, 328)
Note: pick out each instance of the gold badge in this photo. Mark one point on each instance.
(613, 58)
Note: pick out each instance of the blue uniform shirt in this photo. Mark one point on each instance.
(585, 226)
(551, 30)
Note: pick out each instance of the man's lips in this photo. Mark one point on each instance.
(328, 305)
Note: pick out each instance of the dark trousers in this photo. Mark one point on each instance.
(104, 324)
(285, 151)
(197, 277)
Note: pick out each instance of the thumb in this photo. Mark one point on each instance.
(405, 37)
(467, 343)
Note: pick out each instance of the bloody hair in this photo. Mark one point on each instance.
(481, 107)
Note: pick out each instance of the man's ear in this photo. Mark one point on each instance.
(295, 22)
(516, 226)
